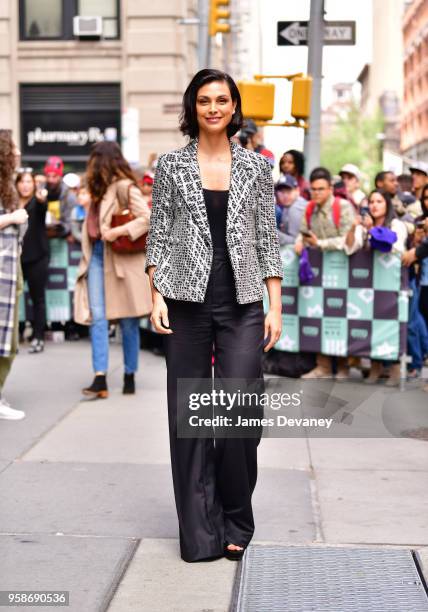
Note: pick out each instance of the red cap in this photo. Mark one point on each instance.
(148, 179)
(55, 165)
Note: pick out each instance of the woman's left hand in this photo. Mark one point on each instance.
(273, 328)
(111, 234)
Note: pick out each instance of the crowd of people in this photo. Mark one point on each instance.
(325, 212)
(332, 213)
(36, 207)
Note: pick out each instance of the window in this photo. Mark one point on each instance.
(53, 19)
(43, 18)
(107, 9)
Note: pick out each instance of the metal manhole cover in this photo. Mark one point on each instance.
(312, 579)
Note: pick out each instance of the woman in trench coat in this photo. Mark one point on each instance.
(110, 285)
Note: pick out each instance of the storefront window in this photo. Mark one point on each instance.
(107, 9)
(43, 18)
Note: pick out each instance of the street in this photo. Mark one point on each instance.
(87, 503)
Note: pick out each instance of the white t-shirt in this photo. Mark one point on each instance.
(360, 236)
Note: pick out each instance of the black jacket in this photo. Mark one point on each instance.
(36, 244)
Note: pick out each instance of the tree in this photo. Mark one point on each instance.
(354, 140)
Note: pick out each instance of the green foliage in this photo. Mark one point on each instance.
(353, 140)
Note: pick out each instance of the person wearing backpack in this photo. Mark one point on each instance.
(325, 224)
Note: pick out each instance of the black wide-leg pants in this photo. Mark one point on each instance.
(213, 479)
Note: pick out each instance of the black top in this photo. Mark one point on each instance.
(216, 205)
(35, 245)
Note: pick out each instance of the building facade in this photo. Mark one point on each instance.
(414, 130)
(60, 93)
(338, 108)
(382, 80)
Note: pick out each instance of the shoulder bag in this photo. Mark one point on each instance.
(124, 245)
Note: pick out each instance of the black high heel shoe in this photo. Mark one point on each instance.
(233, 555)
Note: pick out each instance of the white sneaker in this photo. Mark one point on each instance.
(7, 412)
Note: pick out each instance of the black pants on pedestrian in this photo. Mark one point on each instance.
(213, 479)
(36, 275)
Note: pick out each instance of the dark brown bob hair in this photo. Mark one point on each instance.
(188, 119)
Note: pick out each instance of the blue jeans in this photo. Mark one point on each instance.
(417, 335)
(130, 326)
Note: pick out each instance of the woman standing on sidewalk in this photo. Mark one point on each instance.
(112, 285)
(35, 252)
(211, 245)
(12, 228)
(363, 231)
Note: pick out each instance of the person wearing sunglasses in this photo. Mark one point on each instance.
(35, 251)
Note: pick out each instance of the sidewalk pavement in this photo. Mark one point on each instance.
(86, 501)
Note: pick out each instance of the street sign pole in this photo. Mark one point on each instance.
(312, 146)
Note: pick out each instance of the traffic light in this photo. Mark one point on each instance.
(216, 13)
(257, 99)
(301, 97)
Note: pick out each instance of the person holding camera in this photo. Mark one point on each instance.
(35, 251)
(386, 233)
(380, 213)
(325, 223)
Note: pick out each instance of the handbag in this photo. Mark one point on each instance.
(123, 244)
(81, 308)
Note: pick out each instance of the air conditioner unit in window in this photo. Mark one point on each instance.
(87, 27)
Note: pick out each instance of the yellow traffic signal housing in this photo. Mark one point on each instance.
(257, 99)
(301, 97)
(217, 13)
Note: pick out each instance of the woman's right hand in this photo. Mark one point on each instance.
(19, 216)
(160, 315)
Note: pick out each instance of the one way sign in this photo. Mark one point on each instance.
(335, 33)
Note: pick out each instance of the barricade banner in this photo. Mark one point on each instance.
(354, 306)
(62, 274)
(63, 265)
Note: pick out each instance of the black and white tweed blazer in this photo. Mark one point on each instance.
(179, 241)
